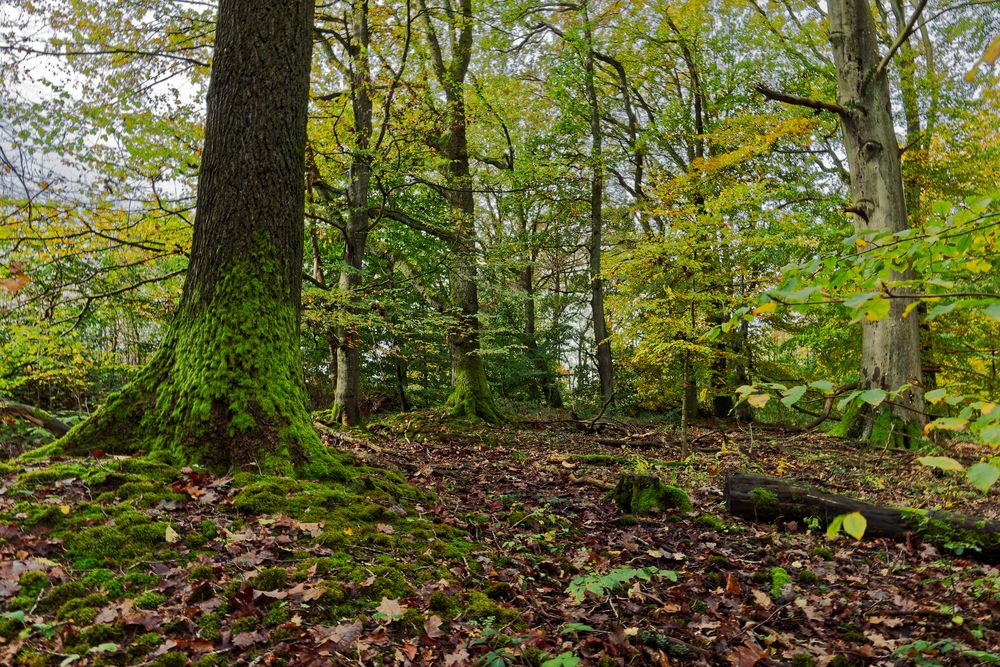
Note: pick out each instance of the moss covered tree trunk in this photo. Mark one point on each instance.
(225, 388)
(470, 396)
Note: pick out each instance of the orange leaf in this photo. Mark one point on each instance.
(747, 655)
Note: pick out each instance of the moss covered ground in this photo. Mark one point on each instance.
(456, 542)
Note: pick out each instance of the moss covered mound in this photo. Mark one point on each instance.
(641, 494)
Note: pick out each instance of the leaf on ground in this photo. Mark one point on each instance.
(432, 627)
(391, 609)
(747, 655)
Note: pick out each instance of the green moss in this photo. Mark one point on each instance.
(140, 581)
(443, 604)
(471, 397)
(595, 459)
(212, 660)
(712, 521)
(803, 660)
(479, 607)
(32, 582)
(762, 497)
(225, 388)
(943, 529)
(10, 627)
(201, 573)
(208, 529)
(640, 494)
(840, 660)
(821, 552)
(779, 578)
(62, 594)
(808, 577)
(150, 600)
(500, 590)
(716, 560)
(169, 659)
(102, 633)
(270, 579)
(66, 611)
(134, 537)
(245, 624)
(37, 454)
(52, 473)
(714, 578)
(30, 658)
(209, 626)
(141, 494)
(699, 607)
(276, 615)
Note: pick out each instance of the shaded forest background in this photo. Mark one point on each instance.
(599, 191)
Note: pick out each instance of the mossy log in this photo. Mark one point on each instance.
(36, 416)
(761, 498)
(639, 494)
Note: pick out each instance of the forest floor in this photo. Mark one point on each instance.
(518, 558)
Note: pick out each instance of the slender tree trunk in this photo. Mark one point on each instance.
(890, 348)
(544, 381)
(226, 389)
(605, 372)
(347, 397)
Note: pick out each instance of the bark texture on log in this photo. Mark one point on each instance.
(761, 498)
(36, 416)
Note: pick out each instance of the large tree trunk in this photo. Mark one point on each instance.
(761, 498)
(890, 348)
(225, 389)
(347, 397)
(470, 396)
(605, 371)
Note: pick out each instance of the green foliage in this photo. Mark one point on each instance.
(601, 583)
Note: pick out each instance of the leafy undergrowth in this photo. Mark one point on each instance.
(502, 550)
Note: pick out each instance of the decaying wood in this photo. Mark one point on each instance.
(36, 416)
(761, 498)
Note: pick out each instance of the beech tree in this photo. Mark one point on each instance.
(225, 388)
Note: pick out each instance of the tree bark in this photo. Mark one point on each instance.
(605, 371)
(226, 389)
(890, 348)
(36, 416)
(761, 498)
(471, 395)
(347, 396)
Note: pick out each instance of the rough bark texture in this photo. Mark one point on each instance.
(225, 389)
(605, 371)
(471, 396)
(761, 498)
(36, 416)
(347, 397)
(890, 348)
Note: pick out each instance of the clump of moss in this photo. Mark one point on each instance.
(277, 615)
(803, 660)
(62, 594)
(245, 624)
(711, 521)
(639, 494)
(170, 659)
(821, 552)
(32, 582)
(716, 560)
(150, 600)
(500, 590)
(140, 581)
(209, 626)
(10, 627)
(101, 633)
(762, 497)
(479, 607)
(443, 604)
(30, 658)
(82, 609)
(270, 579)
(134, 537)
(699, 607)
(51, 473)
(808, 577)
(201, 573)
(779, 578)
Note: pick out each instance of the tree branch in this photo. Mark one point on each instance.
(799, 101)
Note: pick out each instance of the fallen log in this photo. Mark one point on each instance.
(36, 416)
(761, 498)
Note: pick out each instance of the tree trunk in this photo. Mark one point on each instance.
(890, 348)
(761, 498)
(544, 382)
(604, 363)
(225, 388)
(347, 397)
(36, 416)
(470, 396)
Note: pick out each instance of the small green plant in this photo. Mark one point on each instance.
(779, 578)
(761, 496)
(600, 583)
(923, 653)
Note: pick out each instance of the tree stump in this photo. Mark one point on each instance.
(761, 498)
(640, 494)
